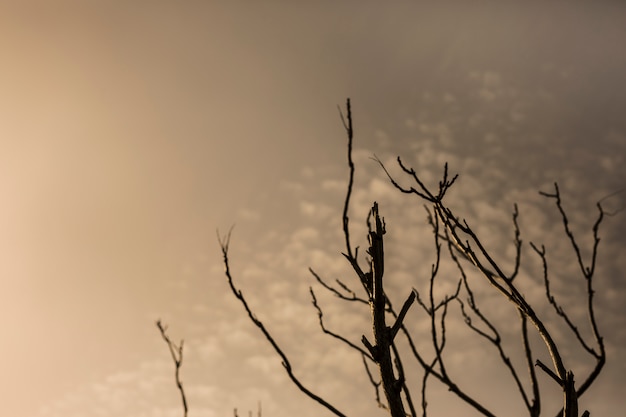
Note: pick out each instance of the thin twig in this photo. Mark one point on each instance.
(177, 357)
(320, 315)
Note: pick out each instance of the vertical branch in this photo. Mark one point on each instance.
(400, 367)
(372, 282)
(177, 357)
(570, 399)
(535, 406)
(431, 298)
(572, 394)
(350, 132)
(383, 337)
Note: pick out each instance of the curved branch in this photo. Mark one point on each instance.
(285, 361)
(320, 315)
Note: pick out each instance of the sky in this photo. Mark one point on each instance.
(130, 131)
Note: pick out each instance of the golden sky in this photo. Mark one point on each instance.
(131, 130)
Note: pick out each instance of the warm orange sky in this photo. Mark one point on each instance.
(131, 130)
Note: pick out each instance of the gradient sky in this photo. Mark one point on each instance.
(131, 130)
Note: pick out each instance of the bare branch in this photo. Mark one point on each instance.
(224, 243)
(350, 132)
(402, 381)
(500, 281)
(320, 315)
(535, 405)
(405, 308)
(494, 338)
(549, 372)
(588, 272)
(375, 384)
(382, 336)
(559, 310)
(177, 357)
(351, 297)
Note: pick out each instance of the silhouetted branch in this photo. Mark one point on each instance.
(382, 334)
(351, 297)
(224, 243)
(493, 336)
(320, 315)
(549, 372)
(375, 384)
(177, 357)
(587, 272)
(497, 279)
(350, 133)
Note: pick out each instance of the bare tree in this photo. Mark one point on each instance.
(455, 239)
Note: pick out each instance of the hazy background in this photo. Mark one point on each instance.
(131, 130)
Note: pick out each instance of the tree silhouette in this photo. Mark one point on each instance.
(457, 241)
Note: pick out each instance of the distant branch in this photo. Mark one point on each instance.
(177, 357)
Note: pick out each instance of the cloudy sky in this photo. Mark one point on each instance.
(131, 130)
